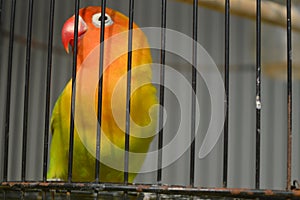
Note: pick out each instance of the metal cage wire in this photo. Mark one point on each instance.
(158, 187)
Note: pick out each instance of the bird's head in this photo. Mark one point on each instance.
(89, 24)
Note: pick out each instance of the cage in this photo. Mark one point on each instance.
(227, 85)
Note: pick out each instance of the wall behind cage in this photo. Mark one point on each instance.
(211, 37)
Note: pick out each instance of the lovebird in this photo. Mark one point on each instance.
(143, 101)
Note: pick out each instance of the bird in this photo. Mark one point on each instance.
(143, 101)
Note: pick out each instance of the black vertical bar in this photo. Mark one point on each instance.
(100, 87)
(289, 94)
(48, 83)
(26, 94)
(8, 89)
(71, 142)
(226, 80)
(194, 86)
(258, 93)
(1, 9)
(128, 91)
(161, 88)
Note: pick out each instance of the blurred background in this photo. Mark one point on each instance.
(211, 36)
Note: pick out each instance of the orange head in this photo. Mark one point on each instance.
(89, 29)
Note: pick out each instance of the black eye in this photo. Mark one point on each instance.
(97, 20)
(105, 18)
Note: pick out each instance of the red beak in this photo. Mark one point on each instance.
(67, 33)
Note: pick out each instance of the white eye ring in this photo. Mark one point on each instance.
(97, 20)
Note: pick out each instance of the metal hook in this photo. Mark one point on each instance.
(295, 185)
